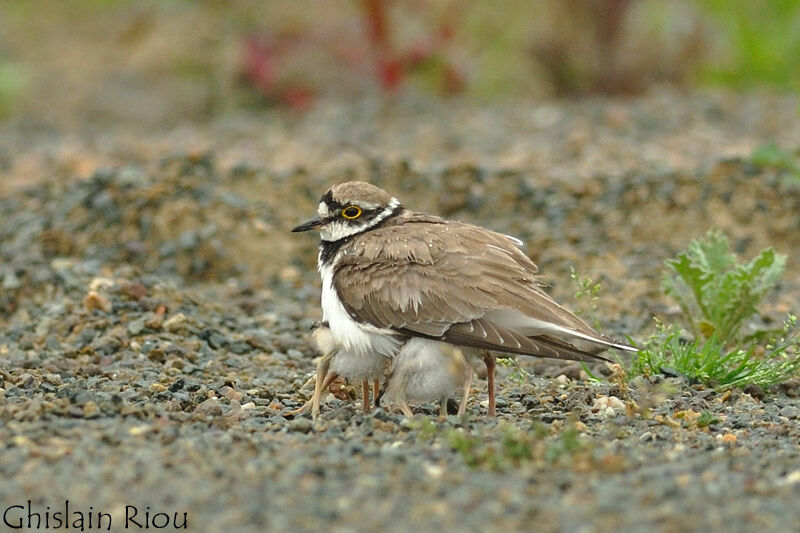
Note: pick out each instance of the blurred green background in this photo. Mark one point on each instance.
(166, 61)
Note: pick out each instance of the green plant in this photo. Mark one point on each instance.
(761, 41)
(706, 419)
(515, 446)
(717, 294)
(568, 443)
(712, 362)
(772, 155)
(425, 427)
(586, 289)
(518, 375)
(10, 86)
(469, 447)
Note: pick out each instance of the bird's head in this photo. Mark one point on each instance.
(351, 208)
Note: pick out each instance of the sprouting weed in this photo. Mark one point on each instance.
(426, 428)
(515, 446)
(772, 155)
(715, 292)
(518, 375)
(567, 443)
(706, 419)
(587, 290)
(714, 363)
(718, 295)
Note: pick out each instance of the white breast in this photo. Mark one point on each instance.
(351, 336)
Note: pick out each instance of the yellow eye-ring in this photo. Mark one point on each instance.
(351, 212)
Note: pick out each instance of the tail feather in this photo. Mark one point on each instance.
(601, 342)
(484, 334)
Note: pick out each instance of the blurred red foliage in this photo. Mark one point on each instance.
(263, 58)
(260, 71)
(393, 67)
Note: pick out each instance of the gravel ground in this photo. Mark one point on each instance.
(155, 317)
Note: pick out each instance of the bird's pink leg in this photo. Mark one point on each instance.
(376, 391)
(490, 364)
(365, 405)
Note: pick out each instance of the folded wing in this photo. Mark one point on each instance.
(461, 284)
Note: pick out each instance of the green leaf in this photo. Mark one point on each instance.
(714, 364)
(716, 294)
(772, 155)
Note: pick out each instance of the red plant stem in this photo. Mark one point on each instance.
(377, 26)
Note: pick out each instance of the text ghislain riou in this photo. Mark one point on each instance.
(27, 516)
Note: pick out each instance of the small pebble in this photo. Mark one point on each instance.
(210, 407)
(94, 300)
(176, 323)
(135, 327)
(301, 425)
(608, 406)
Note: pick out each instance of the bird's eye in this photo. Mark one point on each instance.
(351, 212)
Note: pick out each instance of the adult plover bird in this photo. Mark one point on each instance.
(390, 274)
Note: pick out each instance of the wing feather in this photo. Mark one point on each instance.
(504, 340)
(423, 276)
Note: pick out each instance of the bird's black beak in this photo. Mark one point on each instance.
(311, 224)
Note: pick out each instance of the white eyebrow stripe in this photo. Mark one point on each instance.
(368, 206)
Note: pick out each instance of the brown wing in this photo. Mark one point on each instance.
(482, 333)
(423, 276)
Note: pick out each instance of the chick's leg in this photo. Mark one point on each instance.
(323, 363)
(329, 378)
(443, 408)
(462, 407)
(403, 404)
